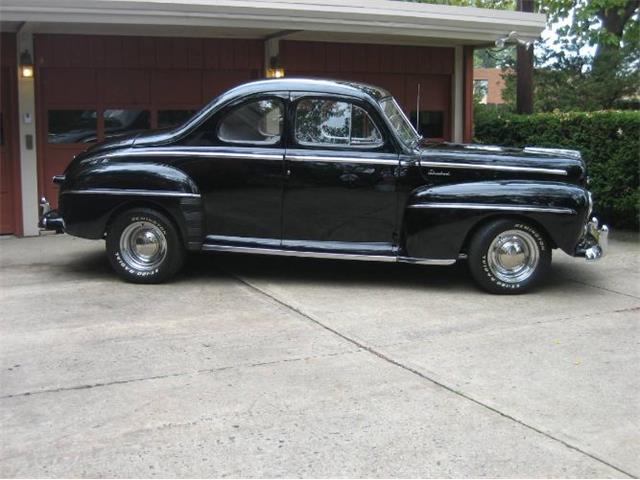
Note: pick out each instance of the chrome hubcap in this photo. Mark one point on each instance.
(513, 256)
(143, 246)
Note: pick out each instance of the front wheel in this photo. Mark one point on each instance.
(509, 256)
(143, 246)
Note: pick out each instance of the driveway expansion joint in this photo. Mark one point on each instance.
(601, 288)
(174, 375)
(420, 374)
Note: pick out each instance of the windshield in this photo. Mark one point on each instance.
(399, 121)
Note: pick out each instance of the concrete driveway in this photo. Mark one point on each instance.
(267, 367)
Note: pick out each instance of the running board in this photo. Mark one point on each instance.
(328, 255)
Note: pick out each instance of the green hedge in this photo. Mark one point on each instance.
(609, 142)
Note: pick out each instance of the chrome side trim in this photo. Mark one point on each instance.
(483, 206)
(298, 253)
(502, 168)
(427, 261)
(167, 152)
(327, 255)
(319, 158)
(144, 193)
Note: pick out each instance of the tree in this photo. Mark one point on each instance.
(612, 27)
(569, 76)
(493, 58)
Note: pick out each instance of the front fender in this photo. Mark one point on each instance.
(439, 219)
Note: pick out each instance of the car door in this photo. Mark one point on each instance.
(239, 170)
(341, 166)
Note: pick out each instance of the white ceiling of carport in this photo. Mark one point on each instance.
(354, 21)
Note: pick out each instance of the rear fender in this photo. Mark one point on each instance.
(92, 195)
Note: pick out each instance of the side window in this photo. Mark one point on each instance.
(363, 131)
(258, 122)
(331, 122)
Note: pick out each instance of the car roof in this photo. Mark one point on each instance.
(338, 87)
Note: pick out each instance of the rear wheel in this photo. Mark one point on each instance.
(143, 246)
(509, 256)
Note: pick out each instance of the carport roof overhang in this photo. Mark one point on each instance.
(396, 21)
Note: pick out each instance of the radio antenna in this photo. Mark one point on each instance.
(418, 109)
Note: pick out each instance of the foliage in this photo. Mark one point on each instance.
(595, 22)
(609, 142)
(569, 84)
(494, 57)
(571, 77)
(594, 62)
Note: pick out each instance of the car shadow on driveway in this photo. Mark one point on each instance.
(318, 272)
(288, 270)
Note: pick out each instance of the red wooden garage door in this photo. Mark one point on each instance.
(9, 148)
(93, 87)
(419, 77)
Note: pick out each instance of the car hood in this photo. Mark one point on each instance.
(529, 157)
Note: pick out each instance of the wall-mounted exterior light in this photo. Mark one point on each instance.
(275, 70)
(512, 38)
(26, 65)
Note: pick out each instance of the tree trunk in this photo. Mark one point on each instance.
(524, 69)
(613, 22)
(607, 58)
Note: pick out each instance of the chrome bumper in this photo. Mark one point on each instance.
(50, 219)
(594, 244)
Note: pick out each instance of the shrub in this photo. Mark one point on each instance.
(609, 142)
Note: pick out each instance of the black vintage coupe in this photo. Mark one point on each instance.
(325, 169)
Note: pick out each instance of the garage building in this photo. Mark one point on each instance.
(74, 72)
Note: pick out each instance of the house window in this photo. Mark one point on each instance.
(429, 124)
(119, 121)
(481, 91)
(173, 118)
(72, 126)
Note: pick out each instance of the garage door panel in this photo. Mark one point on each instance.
(78, 53)
(71, 86)
(226, 55)
(123, 87)
(114, 56)
(373, 58)
(195, 56)
(299, 56)
(176, 87)
(130, 52)
(240, 55)
(147, 53)
(435, 90)
(58, 158)
(6, 193)
(442, 61)
(82, 76)
(216, 82)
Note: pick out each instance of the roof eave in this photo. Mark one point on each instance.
(377, 17)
